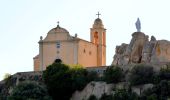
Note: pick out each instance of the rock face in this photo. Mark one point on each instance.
(119, 57)
(141, 50)
(7, 85)
(161, 52)
(99, 88)
(93, 88)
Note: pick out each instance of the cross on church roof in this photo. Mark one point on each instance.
(98, 14)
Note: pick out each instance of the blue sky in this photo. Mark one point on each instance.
(22, 22)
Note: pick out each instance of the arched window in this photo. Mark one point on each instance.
(58, 61)
(96, 38)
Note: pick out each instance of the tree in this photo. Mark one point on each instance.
(79, 78)
(113, 74)
(58, 79)
(62, 80)
(29, 91)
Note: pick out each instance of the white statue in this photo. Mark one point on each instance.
(138, 25)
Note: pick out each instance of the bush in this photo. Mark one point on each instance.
(113, 74)
(6, 76)
(163, 89)
(78, 78)
(92, 97)
(58, 79)
(141, 74)
(92, 76)
(106, 97)
(165, 73)
(156, 78)
(152, 97)
(160, 91)
(3, 97)
(29, 91)
(62, 80)
(123, 94)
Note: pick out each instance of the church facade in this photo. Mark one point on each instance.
(59, 44)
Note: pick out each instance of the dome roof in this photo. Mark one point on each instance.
(98, 23)
(58, 29)
(98, 20)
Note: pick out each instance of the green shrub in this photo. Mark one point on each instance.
(92, 76)
(106, 97)
(113, 74)
(92, 97)
(152, 97)
(8, 82)
(58, 80)
(78, 78)
(29, 91)
(165, 73)
(7, 75)
(123, 94)
(156, 78)
(164, 88)
(160, 91)
(62, 80)
(141, 74)
(3, 97)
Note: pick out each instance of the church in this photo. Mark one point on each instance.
(59, 44)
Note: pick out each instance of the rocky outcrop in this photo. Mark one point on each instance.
(119, 57)
(141, 50)
(147, 50)
(7, 85)
(99, 88)
(93, 88)
(161, 52)
(141, 88)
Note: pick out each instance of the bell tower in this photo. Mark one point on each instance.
(98, 37)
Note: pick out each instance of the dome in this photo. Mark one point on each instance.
(56, 34)
(98, 20)
(98, 23)
(58, 29)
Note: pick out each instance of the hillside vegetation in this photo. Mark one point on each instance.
(60, 81)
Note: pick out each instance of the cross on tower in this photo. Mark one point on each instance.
(58, 23)
(98, 14)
